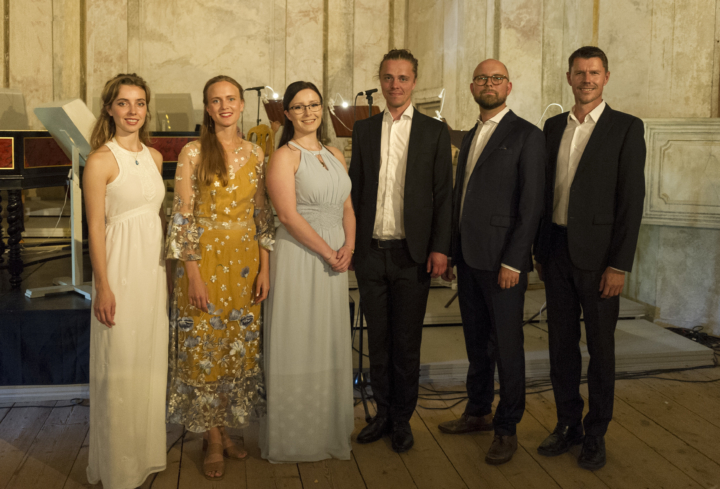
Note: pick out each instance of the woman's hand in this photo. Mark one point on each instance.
(262, 286)
(198, 292)
(344, 255)
(104, 307)
(332, 260)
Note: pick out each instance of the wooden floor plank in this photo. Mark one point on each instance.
(53, 452)
(381, 468)
(77, 478)
(427, 463)
(4, 409)
(695, 464)
(261, 474)
(346, 475)
(462, 451)
(699, 398)
(672, 416)
(522, 471)
(17, 432)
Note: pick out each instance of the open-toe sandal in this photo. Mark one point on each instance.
(230, 450)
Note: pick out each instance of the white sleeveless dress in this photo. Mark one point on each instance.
(128, 362)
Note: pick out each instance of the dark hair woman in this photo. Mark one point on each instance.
(307, 342)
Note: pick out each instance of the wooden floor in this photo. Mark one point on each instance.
(665, 434)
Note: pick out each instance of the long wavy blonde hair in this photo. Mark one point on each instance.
(104, 129)
(212, 154)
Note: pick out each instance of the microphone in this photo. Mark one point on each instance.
(366, 92)
(257, 89)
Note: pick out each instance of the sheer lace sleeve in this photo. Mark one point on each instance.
(264, 219)
(183, 234)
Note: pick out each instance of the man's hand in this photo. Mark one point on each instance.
(448, 274)
(611, 283)
(507, 278)
(539, 267)
(436, 264)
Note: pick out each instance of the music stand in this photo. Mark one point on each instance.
(344, 118)
(70, 123)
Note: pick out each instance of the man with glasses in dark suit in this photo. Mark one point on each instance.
(497, 204)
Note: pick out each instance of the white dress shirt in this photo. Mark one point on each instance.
(481, 137)
(572, 146)
(389, 213)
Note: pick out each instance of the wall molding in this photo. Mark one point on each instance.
(682, 173)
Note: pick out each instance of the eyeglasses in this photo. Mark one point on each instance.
(299, 109)
(481, 81)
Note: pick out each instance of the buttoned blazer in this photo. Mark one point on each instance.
(428, 185)
(504, 197)
(606, 195)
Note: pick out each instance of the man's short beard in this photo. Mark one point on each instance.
(490, 105)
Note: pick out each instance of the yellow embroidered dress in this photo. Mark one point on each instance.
(214, 374)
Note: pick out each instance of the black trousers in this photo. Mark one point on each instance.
(394, 291)
(568, 289)
(492, 322)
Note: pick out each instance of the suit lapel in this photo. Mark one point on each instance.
(376, 140)
(502, 130)
(416, 133)
(594, 144)
(464, 155)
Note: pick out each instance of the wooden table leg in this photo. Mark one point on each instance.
(2, 242)
(15, 229)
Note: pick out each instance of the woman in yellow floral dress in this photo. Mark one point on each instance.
(221, 232)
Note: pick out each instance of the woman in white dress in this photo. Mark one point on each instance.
(308, 363)
(124, 191)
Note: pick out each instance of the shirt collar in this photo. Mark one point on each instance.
(593, 116)
(496, 118)
(407, 114)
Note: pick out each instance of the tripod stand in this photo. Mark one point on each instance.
(360, 379)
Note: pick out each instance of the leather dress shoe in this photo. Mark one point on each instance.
(402, 437)
(502, 449)
(375, 430)
(592, 455)
(561, 440)
(467, 424)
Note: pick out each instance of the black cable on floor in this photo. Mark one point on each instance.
(76, 402)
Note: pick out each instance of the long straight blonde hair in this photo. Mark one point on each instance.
(212, 153)
(105, 129)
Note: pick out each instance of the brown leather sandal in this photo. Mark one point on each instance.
(230, 450)
(218, 466)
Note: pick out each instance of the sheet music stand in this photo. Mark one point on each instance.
(343, 118)
(274, 110)
(70, 123)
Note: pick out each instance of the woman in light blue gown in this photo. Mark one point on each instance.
(308, 362)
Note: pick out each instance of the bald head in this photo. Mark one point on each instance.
(490, 87)
(491, 67)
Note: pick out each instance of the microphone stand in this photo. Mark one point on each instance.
(361, 379)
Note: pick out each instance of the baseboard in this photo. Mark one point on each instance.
(37, 393)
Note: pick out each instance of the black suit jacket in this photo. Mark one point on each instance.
(606, 195)
(504, 197)
(428, 185)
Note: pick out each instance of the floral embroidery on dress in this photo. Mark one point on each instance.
(215, 375)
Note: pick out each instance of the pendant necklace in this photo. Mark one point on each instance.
(136, 153)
